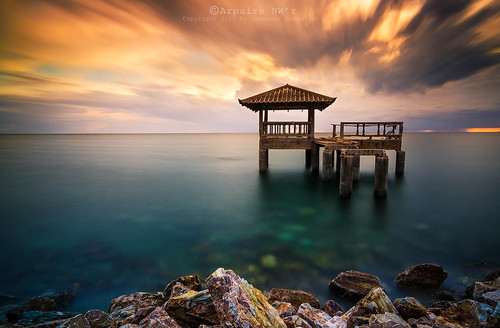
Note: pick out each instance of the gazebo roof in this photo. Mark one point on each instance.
(287, 97)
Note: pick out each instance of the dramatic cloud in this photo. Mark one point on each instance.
(179, 66)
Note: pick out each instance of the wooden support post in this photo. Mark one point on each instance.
(315, 158)
(345, 184)
(327, 164)
(381, 175)
(400, 162)
(308, 158)
(355, 168)
(337, 170)
(263, 159)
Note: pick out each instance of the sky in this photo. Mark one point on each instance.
(175, 66)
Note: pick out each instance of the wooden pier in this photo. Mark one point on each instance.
(348, 142)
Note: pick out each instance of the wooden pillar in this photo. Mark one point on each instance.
(310, 119)
(327, 164)
(381, 175)
(345, 184)
(314, 157)
(355, 168)
(308, 158)
(337, 170)
(263, 159)
(400, 162)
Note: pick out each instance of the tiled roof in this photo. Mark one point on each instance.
(287, 97)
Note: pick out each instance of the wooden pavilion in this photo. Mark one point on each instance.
(286, 134)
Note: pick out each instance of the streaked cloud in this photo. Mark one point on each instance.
(172, 66)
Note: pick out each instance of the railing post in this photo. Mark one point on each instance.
(341, 130)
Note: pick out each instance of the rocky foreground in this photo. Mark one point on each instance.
(227, 300)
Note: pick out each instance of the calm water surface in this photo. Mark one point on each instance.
(105, 215)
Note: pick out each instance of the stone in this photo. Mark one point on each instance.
(354, 283)
(409, 307)
(427, 275)
(464, 313)
(296, 321)
(388, 320)
(240, 304)
(284, 309)
(480, 288)
(319, 319)
(158, 318)
(193, 307)
(192, 282)
(178, 290)
(484, 311)
(491, 298)
(294, 297)
(97, 318)
(50, 324)
(137, 300)
(332, 308)
(78, 321)
(492, 276)
(37, 303)
(62, 298)
(375, 302)
(39, 317)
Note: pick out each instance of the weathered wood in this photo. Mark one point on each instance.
(381, 175)
(308, 158)
(314, 158)
(263, 159)
(337, 159)
(326, 172)
(345, 184)
(400, 162)
(355, 168)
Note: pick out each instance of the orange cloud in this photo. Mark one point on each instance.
(483, 130)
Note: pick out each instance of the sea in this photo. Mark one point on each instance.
(106, 215)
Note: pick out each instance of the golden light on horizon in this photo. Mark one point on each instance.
(483, 130)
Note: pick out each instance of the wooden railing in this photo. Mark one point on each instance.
(285, 128)
(369, 130)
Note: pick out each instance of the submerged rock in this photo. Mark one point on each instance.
(354, 283)
(425, 275)
(37, 303)
(410, 307)
(294, 297)
(193, 307)
(239, 303)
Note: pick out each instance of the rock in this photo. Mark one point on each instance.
(409, 307)
(137, 300)
(39, 317)
(37, 303)
(50, 324)
(375, 302)
(487, 292)
(484, 311)
(294, 297)
(130, 314)
(78, 321)
(178, 290)
(425, 275)
(158, 319)
(240, 304)
(420, 322)
(319, 319)
(492, 276)
(445, 296)
(296, 321)
(97, 318)
(332, 308)
(193, 307)
(284, 309)
(464, 313)
(492, 298)
(192, 282)
(62, 298)
(388, 320)
(354, 283)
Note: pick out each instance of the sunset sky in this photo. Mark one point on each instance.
(124, 66)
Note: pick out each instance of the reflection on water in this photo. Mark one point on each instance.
(104, 215)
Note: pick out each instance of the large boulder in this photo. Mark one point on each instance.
(193, 307)
(487, 292)
(354, 283)
(425, 275)
(97, 318)
(158, 318)
(294, 297)
(410, 307)
(463, 313)
(239, 304)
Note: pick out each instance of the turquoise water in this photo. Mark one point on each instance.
(104, 215)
